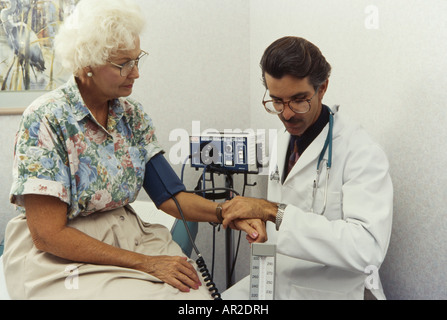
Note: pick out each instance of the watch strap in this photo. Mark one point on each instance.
(280, 215)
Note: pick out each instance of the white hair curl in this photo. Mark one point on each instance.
(96, 30)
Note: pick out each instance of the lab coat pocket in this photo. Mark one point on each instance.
(305, 293)
(333, 210)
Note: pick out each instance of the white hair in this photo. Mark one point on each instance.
(96, 30)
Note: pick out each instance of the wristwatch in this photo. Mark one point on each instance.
(219, 212)
(280, 214)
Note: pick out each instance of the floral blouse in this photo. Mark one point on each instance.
(62, 151)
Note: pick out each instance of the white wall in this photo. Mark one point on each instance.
(204, 66)
(389, 74)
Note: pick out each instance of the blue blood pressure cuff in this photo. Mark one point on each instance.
(160, 180)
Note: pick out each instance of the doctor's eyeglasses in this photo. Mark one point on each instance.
(296, 105)
(126, 68)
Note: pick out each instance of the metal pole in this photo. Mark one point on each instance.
(229, 248)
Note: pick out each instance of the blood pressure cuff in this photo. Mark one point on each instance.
(160, 180)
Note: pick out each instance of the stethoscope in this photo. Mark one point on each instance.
(321, 160)
(320, 164)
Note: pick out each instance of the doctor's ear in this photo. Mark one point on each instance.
(322, 89)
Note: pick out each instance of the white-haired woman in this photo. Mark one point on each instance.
(82, 154)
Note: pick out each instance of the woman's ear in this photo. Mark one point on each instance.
(88, 71)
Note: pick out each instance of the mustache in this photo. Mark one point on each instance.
(291, 120)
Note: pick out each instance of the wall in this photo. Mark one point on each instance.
(389, 66)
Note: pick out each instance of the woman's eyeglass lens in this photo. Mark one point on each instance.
(127, 67)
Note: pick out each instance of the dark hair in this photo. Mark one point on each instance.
(296, 57)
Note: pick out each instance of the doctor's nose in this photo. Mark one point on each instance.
(287, 113)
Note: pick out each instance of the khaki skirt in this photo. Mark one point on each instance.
(34, 274)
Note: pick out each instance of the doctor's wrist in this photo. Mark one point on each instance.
(270, 211)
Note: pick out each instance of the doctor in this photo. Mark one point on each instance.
(331, 230)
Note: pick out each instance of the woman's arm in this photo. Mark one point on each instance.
(47, 222)
(197, 208)
(162, 183)
(194, 208)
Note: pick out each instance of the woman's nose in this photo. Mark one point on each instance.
(135, 73)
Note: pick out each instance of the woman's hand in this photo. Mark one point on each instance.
(173, 270)
(255, 229)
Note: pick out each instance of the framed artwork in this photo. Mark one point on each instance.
(28, 63)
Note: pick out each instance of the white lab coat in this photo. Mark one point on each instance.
(334, 255)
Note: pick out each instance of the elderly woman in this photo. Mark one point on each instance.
(82, 154)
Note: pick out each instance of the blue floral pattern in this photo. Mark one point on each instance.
(62, 151)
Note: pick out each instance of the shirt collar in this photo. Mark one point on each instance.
(312, 132)
(80, 109)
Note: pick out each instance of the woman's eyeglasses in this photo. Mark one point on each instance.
(126, 68)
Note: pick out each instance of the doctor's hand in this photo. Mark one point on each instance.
(247, 208)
